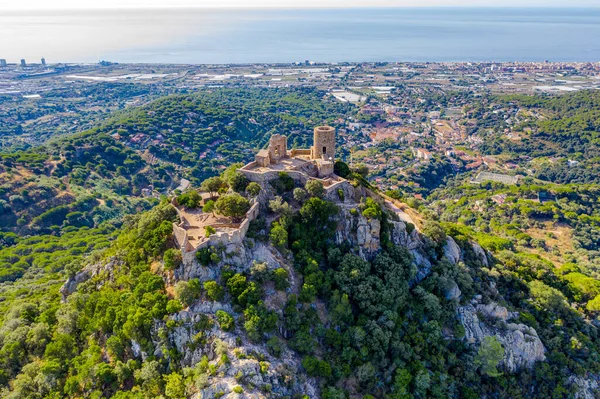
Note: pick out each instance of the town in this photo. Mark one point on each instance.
(414, 119)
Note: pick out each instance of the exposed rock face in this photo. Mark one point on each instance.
(522, 346)
(70, 286)
(480, 253)
(453, 292)
(239, 257)
(281, 376)
(585, 387)
(400, 236)
(359, 231)
(452, 251)
(367, 234)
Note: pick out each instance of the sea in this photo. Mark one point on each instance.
(219, 36)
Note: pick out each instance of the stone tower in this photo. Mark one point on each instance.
(324, 143)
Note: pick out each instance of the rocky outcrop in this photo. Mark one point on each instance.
(452, 292)
(281, 376)
(585, 387)
(452, 251)
(480, 254)
(522, 346)
(70, 286)
(239, 257)
(358, 231)
(400, 235)
(368, 235)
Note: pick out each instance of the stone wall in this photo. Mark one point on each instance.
(235, 237)
(267, 176)
(181, 237)
(300, 151)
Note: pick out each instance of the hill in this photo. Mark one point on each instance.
(329, 293)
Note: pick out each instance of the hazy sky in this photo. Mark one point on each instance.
(70, 4)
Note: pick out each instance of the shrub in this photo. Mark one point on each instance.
(212, 185)
(372, 210)
(234, 179)
(226, 321)
(488, 356)
(203, 256)
(283, 183)
(280, 278)
(172, 259)
(190, 199)
(214, 290)
(341, 169)
(209, 206)
(315, 188)
(434, 231)
(187, 291)
(253, 189)
(274, 346)
(238, 389)
(278, 235)
(315, 367)
(173, 306)
(300, 194)
(209, 230)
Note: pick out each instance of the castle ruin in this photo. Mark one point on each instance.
(315, 162)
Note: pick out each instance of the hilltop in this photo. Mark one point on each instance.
(292, 275)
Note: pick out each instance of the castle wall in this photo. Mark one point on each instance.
(181, 237)
(235, 237)
(300, 151)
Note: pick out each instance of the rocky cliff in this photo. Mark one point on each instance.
(522, 346)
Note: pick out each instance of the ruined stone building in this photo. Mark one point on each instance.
(316, 161)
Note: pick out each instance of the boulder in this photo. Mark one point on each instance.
(480, 254)
(522, 346)
(452, 292)
(452, 251)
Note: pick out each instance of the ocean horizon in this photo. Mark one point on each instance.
(226, 36)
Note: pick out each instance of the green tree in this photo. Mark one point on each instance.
(190, 199)
(209, 206)
(212, 185)
(278, 235)
(315, 188)
(362, 170)
(435, 231)
(253, 189)
(187, 291)
(232, 205)
(281, 279)
(489, 354)
(174, 386)
(172, 259)
(234, 179)
(300, 194)
(214, 290)
(226, 321)
(341, 169)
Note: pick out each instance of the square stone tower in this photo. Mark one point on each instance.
(324, 143)
(277, 147)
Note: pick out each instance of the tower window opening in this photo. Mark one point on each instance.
(324, 150)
